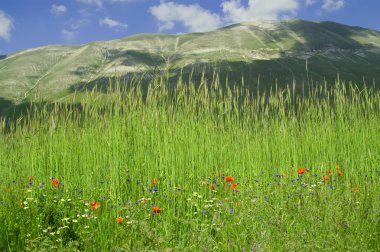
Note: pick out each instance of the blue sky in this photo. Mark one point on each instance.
(30, 23)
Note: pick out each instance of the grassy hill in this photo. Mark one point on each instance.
(267, 52)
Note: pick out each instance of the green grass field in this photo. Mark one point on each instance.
(194, 169)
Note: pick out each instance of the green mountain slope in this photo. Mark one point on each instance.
(269, 51)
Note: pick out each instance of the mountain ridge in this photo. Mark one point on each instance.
(274, 51)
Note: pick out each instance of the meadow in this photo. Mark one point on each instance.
(199, 167)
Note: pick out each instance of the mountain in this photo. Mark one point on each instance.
(265, 51)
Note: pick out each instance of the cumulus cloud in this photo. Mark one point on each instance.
(236, 12)
(311, 2)
(6, 25)
(58, 9)
(333, 5)
(68, 35)
(192, 16)
(125, 1)
(113, 24)
(98, 3)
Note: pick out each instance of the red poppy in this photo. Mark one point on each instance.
(55, 182)
(119, 220)
(325, 178)
(234, 186)
(154, 181)
(229, 179)
(95, 205)
(156, 209)
(339, 173)
(329, 172)
(301, 170)
(213, 186)
(337, 167)
(30, 178)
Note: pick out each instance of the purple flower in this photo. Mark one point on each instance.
(255, 247)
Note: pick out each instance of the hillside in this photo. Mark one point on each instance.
(269, 50)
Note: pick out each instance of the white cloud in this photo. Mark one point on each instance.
(98, 3)
(235, 12)
(58, 9)
(333, 5)
(311, 2)
(125, 1)
(6, 25)
(193, 17)
(113, 23)
(68, 35)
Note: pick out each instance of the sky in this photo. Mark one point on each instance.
(27, 24)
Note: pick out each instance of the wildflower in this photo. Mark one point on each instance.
(153, 190)
(339, 173)
(337, 167)
(30, 178)
(55, 182)
(154, 181)
(119, 220)
(301, 171)
(255, 247)
(213, 186)
(329, 172)
(143, 200)
(95, 205)
(156, 209)
(234, 186)
(229, 179)
(325, 178)
(355, 189)
(232, 210)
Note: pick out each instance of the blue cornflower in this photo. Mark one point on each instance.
(153, 190)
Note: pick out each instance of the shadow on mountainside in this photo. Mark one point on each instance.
(135, 57)
(3, 57)
(19, 115)
(5, 105)
(259, 74)
(326, 35)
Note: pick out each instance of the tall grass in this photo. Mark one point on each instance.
(109, 146)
